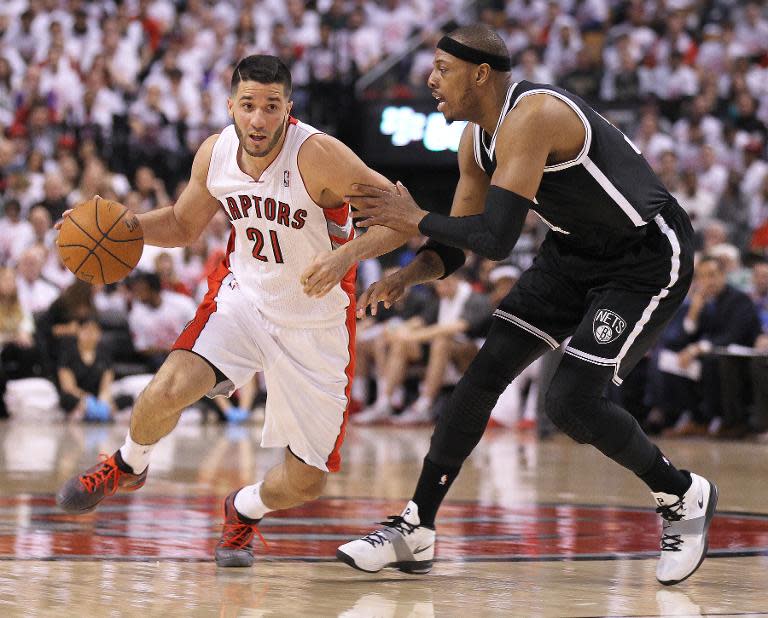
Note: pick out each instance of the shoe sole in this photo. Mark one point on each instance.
(67, 508)
(412, 567)
(231, 563)
(713, 495)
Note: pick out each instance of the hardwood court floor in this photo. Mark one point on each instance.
(531, 529)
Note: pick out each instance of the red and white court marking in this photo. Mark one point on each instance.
(150, 527)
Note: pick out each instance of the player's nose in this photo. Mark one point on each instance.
(257, 121)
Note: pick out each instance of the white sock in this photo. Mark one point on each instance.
(136, 455)
(248, 502)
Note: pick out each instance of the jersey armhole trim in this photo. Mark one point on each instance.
(215, 155)
(301, 175)
(477, 136)
(587, 129)
(491, 150)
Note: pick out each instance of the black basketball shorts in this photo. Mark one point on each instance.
(613, 308)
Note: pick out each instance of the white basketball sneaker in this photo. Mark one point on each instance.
(684, 537)
(402, 544)
(379, 412)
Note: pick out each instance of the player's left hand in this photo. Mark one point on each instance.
(397, 211)
(325, 271)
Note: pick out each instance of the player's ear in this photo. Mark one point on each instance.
(230, 107)
(482, 74)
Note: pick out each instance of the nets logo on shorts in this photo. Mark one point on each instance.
(607, 326)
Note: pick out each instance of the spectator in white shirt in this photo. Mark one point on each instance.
(563, 47)
(156, 317)
(651, 141)
(396, 22)
(42, 226)
(755, 169)
(712, 52)
(364, 42)
(758, 205)
(7, 103)
(674, 80)
(713, 176)
(16, 234)
(531, 69)
(752, 31)
(35, 293)
(699, 203)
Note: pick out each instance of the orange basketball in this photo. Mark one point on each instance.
(101, 241)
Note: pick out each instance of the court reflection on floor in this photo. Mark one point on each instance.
(532, 528)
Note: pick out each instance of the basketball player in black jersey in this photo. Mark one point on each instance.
(613, 269)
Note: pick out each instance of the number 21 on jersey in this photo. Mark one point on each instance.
(257, 237)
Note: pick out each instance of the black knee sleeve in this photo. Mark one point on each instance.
(576, 405)
(507, 351)
(567, 414)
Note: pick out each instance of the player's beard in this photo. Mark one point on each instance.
(270, 146)
(461, 107)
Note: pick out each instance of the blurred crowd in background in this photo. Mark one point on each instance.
(113, 98)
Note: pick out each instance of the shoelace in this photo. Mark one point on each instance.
(671, 513)
(107, 472)
(377, 537)
(238, 535)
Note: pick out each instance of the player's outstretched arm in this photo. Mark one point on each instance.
(180, 225)
(330, 169)
(540, 126)
(428, 265)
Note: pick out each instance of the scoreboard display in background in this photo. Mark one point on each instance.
(409, 133)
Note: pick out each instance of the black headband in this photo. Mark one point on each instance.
(475, 56)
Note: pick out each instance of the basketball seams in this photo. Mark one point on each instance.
(101, 267)
(96, 215)
(90, 249)
(98, 242)
(112, 227)
(78, 252)
(110, 239)
(74, 244)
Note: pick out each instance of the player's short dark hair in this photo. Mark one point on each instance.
(480, 37)
(263, 69)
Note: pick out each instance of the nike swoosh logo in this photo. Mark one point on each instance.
(701, 501)
(421, 549)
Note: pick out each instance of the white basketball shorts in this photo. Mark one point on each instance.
(308, 372)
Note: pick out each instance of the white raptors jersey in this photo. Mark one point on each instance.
(277, 230)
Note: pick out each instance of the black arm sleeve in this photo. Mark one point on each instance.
(451, 257)
(491, 234)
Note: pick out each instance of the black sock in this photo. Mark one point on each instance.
(434, 483)
(664, 477)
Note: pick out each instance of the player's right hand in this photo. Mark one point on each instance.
(60, 222)
(388, 291)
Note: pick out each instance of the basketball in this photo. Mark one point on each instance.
(101, 241)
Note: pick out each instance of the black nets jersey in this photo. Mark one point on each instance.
(597, 201)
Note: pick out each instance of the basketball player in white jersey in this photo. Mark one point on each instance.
(281, 183)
